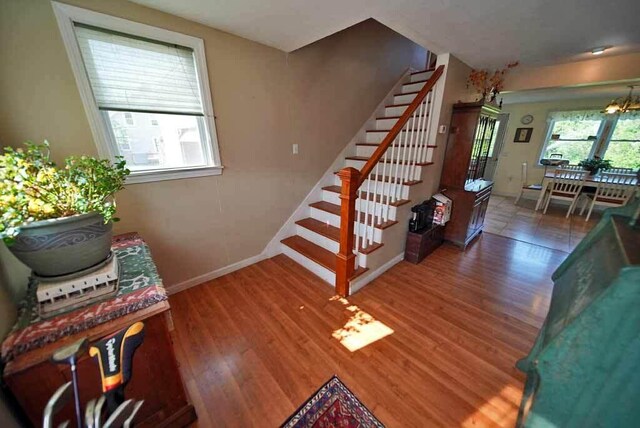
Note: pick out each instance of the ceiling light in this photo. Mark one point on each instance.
(598, 51)
(623, 105)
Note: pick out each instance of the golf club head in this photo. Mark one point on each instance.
(56, 403)
(69, 354)
(89, 415)
(97, 421)
(121, 414)
(129, 422)
(64, 424)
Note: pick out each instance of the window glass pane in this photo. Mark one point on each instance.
(624, 149)
(575, 151)
(158, 141)
(576, 129)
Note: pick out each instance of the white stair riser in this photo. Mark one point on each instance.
(325, 217)
(375, 137)
(394, 111)
(412, 87)
(334, 198)
(310, 265)
(403, 192)
(403, 99)
(421, 76)
(402, 169)
(386, 124)
(378, 137)
(316, 238)
(367, 151)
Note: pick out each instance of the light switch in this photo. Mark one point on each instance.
(295, 149)
(442, 129)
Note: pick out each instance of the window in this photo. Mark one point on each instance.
(624, 146)
(578, 135)
(146, 94)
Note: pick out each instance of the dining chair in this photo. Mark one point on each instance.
(524, 183)
(566, 185)
(620, 171)
(613, 190)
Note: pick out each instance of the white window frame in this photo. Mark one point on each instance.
(67, 15)
(596, 146)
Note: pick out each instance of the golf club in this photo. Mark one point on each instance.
(69, 355)
(58, 400)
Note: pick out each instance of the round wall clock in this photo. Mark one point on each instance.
(526, 119)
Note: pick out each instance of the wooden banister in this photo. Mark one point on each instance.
(393, 134)
(346, 259)
(352, 180)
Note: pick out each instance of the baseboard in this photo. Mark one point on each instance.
(192, 282)
(358, 283)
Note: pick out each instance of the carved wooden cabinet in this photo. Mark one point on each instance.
(471, 134)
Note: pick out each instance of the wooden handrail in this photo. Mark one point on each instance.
(352, 179)
(400, 124)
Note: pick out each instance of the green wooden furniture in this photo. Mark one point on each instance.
(584, 368)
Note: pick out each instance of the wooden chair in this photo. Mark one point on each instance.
(614, 190)
(566, 186)
(524, 183)
(620, 171)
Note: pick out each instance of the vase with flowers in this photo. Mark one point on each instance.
(487, 83)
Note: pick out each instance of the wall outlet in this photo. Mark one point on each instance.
(295, 149)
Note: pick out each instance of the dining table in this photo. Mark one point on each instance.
(589, 181)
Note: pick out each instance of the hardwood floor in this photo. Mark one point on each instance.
(523, 223)
(255, 344)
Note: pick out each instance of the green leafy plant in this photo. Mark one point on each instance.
(594, 165)
(33, 188)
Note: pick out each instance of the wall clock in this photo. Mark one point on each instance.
(526, 119)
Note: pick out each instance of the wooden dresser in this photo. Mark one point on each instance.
(471, 135)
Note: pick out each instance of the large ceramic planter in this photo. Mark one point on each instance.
(64, 245)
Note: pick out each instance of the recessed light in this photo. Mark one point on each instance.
(598, 51)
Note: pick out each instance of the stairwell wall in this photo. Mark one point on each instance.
(265, 100)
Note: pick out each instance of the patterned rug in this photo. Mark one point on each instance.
(332, 406)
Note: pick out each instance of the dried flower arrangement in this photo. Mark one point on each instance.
(489, 84)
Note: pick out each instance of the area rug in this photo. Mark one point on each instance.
(332, 406)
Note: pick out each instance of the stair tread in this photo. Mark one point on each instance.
(316, 253)
(387, 130)
(407, 93)
(393, 180)
(417, 81)
(395, 117)
(423, 71)
(337, 189)
(332, 232)
(335, 210)
(364, 158)
(393, 145)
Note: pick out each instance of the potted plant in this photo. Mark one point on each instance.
(58, 221)
(594, 165)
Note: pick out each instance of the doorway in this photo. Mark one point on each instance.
(495, 148)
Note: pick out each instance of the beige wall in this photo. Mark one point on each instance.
(593, 71)
(507, 176)
(264, 99)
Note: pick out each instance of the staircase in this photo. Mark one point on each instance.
(358, 228)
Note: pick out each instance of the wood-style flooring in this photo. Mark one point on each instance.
(523, 223)
(255, 344)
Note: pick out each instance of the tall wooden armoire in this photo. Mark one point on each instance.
(471, 135)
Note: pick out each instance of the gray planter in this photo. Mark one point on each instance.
(64, 245)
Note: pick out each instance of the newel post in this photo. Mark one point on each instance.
(345, 263)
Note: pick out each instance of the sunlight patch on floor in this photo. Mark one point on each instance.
(361, 329)
(502, 407)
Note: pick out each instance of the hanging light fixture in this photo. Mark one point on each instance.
(623, 105)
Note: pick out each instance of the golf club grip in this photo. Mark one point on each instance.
(115, 356)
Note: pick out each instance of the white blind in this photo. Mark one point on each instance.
(134, 74)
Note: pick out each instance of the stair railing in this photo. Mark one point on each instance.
(368, 195)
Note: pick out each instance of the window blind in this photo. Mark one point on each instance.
(130, 73)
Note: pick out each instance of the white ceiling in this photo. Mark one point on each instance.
(480, 32)
(600, 92)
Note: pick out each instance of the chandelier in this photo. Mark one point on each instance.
(623, 105)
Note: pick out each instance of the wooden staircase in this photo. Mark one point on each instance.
(317, 242)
